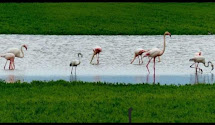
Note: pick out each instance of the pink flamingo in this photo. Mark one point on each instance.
(198, 58)
(138, 52)
(155, 52)
(96, 51)
(11, 57)
(17, 52)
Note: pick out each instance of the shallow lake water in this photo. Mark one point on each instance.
(48, 58)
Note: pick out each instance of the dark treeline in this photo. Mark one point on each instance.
(106, 1)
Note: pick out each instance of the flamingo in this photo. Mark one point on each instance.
(9, 56)
(76, 62)
(138, 52)
(17, 52)
(198, 58)
(155, 52)
(96, 51)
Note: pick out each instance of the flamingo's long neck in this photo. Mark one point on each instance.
(164, 45)
(21, 56)
(79, 58)
(92, 58)
(208, 64)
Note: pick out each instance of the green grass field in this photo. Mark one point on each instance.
(107, 18)
(82, 102)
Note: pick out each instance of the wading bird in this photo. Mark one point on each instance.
(10, 57)
(17, 52)
(76, 62)
(96, 51)
(138, 52)
(198, 58)
(155, 52)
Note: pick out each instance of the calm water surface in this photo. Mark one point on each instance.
(48, 58)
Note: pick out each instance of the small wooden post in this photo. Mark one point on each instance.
(129, 114)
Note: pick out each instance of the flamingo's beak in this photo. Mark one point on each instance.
(25, 47)
(212, 67)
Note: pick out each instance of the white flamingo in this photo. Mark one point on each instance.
(198, 58)
(96, 51)
(11, 57)
(155, 52)
(17, 52)
(76, 62)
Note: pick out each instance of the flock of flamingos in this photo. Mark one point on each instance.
(151, 54)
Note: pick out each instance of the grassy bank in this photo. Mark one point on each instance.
(82, 102)
(107, 18)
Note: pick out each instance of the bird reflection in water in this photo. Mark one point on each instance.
(10, 79)
(139, 79)
(147, 78)
(73, 77)
(97, 78)
(200, 78)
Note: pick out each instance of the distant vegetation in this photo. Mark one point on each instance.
(107, 18)
(85, 102)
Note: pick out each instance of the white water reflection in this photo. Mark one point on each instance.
(48, 58)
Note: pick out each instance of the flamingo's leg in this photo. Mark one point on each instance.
(98, 59)
(199, 68)
(154, 70)
(72, 69)
(12, 61)
(5, 64)
(141, 59)
(133, 59)
(154, 65)
(75, 69)
(159, 59)
(196, 67)
(10, 65)
(14, 64)
(148, 64)
(191, 66)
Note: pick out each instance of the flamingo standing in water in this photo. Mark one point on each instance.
(11, 57)
(198, 58)
(17, 52)
(76, 62)
(96, 51)
(138, 52)
(155, 52)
